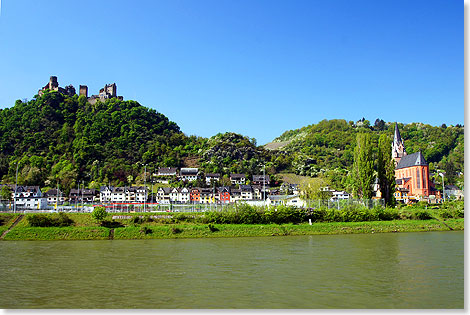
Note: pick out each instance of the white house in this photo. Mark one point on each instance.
(287, 200)
(340, 195)
(30, 197)
(237, 179)
(212, 177)
(184, 195)
(246, 192)
(105, 193)
(189, 174)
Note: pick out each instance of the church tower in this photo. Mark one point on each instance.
(398, 147)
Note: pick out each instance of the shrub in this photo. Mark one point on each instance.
(387, 214)
(99, 214)
(423, 214)
(284, 214)
(176, 230)
(315, 214)
(145, 230)
(44, 220)
(212, 228)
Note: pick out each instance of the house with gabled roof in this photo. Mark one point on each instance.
(224, 194)
(163, 194)
(237, 179)
(212, 178)
(167, 171)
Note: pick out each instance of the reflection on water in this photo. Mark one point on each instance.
(404, 270)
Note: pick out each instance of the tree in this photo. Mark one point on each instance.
(386, 170)
(363, 167)
(313, 189)
(5, 193)
(99, 214)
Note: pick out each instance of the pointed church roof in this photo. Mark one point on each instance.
(397, 137)
(410, 160)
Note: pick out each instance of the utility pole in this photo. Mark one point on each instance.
(145, 187)
(16, 188)
(83, 188)
(264, 186)
(57, 197)
(443, 187)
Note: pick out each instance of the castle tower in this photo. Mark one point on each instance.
(398, 147)
(53, 84)
(83, 90)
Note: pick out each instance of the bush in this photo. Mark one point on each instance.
(176, 230)
(212, 228)
(423, 215)
(99, 214)
(145, 230)
(315, 214)
(44, 220)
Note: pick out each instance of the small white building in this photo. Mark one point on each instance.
(189, 174)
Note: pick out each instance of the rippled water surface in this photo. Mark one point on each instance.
(402, 270)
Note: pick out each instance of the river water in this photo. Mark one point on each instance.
(393, 270)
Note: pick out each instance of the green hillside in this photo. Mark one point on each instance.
(326, 148)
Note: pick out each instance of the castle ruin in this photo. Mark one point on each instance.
(109, 91)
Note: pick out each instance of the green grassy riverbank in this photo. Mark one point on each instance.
(85, 229)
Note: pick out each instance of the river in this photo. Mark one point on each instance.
(390, 270)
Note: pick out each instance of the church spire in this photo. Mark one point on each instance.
(398, 147)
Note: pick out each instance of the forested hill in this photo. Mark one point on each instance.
(327, 148)
(57, 137)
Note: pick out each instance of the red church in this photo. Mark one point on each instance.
(411, 172)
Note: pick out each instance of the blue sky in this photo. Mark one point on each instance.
(253, 67)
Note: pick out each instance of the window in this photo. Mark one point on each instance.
(424, 179)
(418, 178)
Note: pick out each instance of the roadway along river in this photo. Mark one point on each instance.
(399, 270)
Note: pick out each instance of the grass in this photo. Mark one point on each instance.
(58, 233)
(85, 228)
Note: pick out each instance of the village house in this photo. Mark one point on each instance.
(237, 179)
(212, 178)
(82, 195)
(452, 191)
(189, 174)
(246, 192)
(207, 195)
(224, 194)
(340, 195)
(167, 171)
(195, 195)
(54, 196)
(105, 193)
(29, 197)
(261, 180)
(235, 195)
(163, 195)
(286, 200)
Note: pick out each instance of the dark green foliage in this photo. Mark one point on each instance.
(284, 214)
(46, 220)
(176, 230)
(212, 228)
(99, 214)
(111, 224)
(423, 215)
(386, 170)
(363, 167)
(145, 230)
(60, 137)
